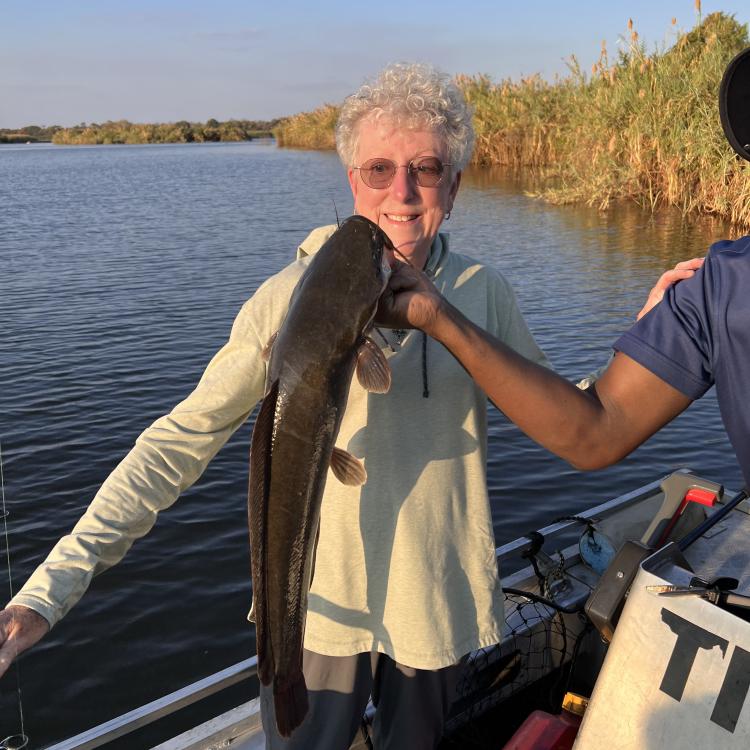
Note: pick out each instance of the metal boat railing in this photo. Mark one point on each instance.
(158, 709)
(515, 548)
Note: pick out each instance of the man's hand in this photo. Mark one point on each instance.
(683, 270)
(20, 628)
(409, 301)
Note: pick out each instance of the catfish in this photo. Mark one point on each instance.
(311, 362)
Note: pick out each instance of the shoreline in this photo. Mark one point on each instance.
(126, 132)
(25, 142)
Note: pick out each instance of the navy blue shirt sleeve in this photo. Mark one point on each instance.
(699, 335)
(676, 339)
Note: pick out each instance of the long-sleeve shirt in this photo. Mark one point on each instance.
(405, 564)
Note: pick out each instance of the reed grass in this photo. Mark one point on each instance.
(314, 130)
(642, 127)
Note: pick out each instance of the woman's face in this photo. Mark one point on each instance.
(409, 214)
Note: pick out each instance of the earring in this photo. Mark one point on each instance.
(447, 215)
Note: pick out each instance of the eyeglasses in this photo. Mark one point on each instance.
(379, 173)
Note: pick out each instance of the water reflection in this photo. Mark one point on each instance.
(666, 236)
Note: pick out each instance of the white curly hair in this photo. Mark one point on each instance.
(414, 96)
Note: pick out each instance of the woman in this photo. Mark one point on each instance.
(405, 581)
(405, 578)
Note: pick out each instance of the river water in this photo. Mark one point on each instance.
(122, 270)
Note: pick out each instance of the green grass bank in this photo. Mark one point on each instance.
(638, 126)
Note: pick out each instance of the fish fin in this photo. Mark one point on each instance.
(373, 370)
(260, 479)
(347, 469)
(290, 704)
(266, 352)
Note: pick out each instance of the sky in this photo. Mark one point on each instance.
(69, 61)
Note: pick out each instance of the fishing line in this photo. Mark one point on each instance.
(396, 251)
(335, 210)
(425, 379)
(384, 339)
(16, 741)
(399, 333)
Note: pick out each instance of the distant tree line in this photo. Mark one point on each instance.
(28, 134)
(123, 131)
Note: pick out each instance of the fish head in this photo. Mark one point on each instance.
(348, 274)
(369, 252)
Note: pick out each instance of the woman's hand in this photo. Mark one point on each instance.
(409, 301)
(683, 270)
(20, 629)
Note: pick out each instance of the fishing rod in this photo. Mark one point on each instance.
(20, 740)
(712, 520)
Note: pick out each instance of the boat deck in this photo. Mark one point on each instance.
(724, 550)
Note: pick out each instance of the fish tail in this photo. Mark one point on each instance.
(290, 704)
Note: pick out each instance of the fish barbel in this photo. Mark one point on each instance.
(312, 360)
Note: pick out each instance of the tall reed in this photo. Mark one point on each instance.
(309, 129)
(642, 126)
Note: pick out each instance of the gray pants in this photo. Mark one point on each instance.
(411, 704)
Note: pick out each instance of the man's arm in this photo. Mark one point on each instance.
(589, 429)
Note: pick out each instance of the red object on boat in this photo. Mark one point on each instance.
(694, 495)
(545, 731)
